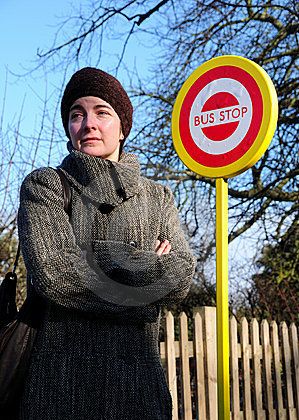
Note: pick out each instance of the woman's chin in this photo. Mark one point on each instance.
(91, 149)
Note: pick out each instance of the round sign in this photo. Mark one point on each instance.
(224, 117)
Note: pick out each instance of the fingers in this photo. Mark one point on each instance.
(157, 245)
(162, 247)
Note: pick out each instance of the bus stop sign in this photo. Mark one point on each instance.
(224, 117)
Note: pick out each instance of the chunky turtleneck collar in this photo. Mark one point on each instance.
(102, 180)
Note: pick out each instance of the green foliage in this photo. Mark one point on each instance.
(277, 284)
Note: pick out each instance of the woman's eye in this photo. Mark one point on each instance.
(76, 115)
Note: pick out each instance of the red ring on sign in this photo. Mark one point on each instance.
(211, 160)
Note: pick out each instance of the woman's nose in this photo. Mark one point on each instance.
(89, 121)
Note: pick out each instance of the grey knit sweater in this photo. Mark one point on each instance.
(96, 356)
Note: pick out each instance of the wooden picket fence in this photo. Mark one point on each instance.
(264, 368)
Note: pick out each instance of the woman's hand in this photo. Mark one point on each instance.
(162, 247)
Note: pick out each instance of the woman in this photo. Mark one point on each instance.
(103, 273)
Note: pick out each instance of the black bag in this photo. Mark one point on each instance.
(18, 330)
(16, 342)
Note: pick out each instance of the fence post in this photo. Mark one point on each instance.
(198, 350)
(208, 315)
(185, 367)
(256, 362)
(245, 349)
(171, 362)
(286, 351)
(294, 341)
(267, 356)
(277, 370)
(234, 366)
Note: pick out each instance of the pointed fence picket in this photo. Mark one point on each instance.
(267, 358)
(264, 367)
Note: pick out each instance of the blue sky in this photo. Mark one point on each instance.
(26, 25)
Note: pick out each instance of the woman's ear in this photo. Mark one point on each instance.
(121, 135)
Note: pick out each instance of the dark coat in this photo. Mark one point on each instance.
(96, 355)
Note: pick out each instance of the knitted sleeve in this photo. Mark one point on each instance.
(57, 266)
(182, 259)
(161, 279)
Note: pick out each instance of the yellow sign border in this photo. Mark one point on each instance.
(267, 128)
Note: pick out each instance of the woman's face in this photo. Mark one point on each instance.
(95, 128)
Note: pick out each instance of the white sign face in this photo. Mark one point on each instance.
(220, 116)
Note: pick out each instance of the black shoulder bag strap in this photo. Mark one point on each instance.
(67, 192)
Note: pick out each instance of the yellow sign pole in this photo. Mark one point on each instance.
(222, 299)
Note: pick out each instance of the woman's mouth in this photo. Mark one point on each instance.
(90, 140)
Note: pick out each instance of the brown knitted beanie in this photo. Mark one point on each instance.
(90, 81)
